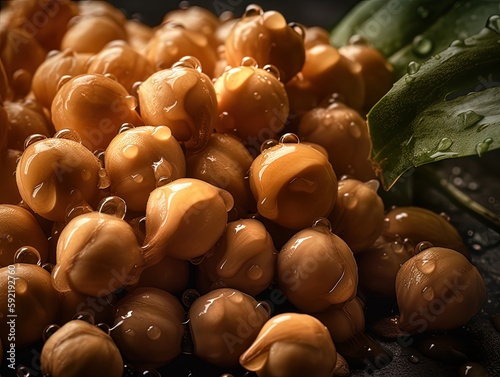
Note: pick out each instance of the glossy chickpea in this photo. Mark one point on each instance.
(293, 184)
(378, 74)
(19, 228)
(438, 289)
(244, 258)
(79, 349)
(73, 304)
(148, 327)
(252, 103)
(123, 62)
(266, 37)
(49, 73)
(344, 134)
(184, 219)
(171, 42)
(316, 35)
(358, 214)
(91, 33)
(92, 260)
(223, 324)
(139, 34)
(96, 107)
(316, 269)
(9, 194)
(292, 345)
(140, 159)
(25, 118)
(36, 302)
(328, 72)
(415, 224)
(56, 174)
(184, 99)
(169, 274)
(224, 162)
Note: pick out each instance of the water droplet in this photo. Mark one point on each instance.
(422, 46)
(457, 43)
(289, 138)
(48, 267)
(22, 371)
(482, 127)
(444, 144)
(322, 222)
(28, 255)
(428, 293)
(104, 181)
(413, 67)
(469, 118)
(257, 96)
(426, 265)
(63, 80)
(272, 70)
(162, 133)
(84, 316)
(483, 147)
(189, 297)
(253, 10)
(198, 260)
(421, 246)
(373, 184)
(413, 359)
(303, 185)
(49, 331)
(150, 373)
(131, 151)
(354, 130)
(264, 305)
(137, 178)
(125, 127)
(298, 28)
(409, 79)
(248, 61)
(32, 139)
(494, 23)
(114, 206)
(153, 332)
(68, 134)
(437, 56)
(254, 272)
(188, 62)
(104, 327)
(397, 247)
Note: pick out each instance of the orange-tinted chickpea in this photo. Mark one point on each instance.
(252, 103)
(266, 37)
(96, 107)
(9, 194)
(138, 33)
(293, 184)
(344, 134)
(123, 62)
(184, 99)
(19, 228)
(316, 35)
(140, 159)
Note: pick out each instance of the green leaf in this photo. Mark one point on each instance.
(448, 107)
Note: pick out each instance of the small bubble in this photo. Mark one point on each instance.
(425, 265)
(373, 184)
(104, 181)
(413, 359)
(22, 371)
(257, 96)
(264, 305)
(273, 70)
(68, 134)
(137, 178)
(153, 332)
(104, 327)
(428, 293)
(248, 61)
(413, 67)
(32, 139)
(324, 222)
(494, 23)
(421, 246)
(48, 267)
(86, 174)
(162, 133)
(422, 46)
(397, 247)
(289, 138)
(84, 316)
(125, 127)
(49, 331)
(189, 297)
(188, 62)
(129, 371)
(254, 272)
(298, 28)
(198, 260)
(444, 144)
(483, 147)
(253, 10)
(131, 151)
(114, 206)
(28, 255)
(150, 373)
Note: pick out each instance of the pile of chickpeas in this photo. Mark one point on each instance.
(156, 181)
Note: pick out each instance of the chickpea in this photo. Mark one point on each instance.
(92, 260)
(224, 29)
(438, 289)
(90, 8)
(184, 219)
(266, 37)
(223, 324)
(316, 35)
(140, 159)
(244, 258)
(9, 194)
(19, 228)
(292, 345)
(91, 33)
(138, 33)
(183, 98)
(79, 349)
(169, 274)
(95, 106)
(148, 327)
(123, 62)
(358, 214)
(316, 269)
(301, 100)
(293, 184)
(252, 103)
(224, 163)
(36, 302)
(344, 134)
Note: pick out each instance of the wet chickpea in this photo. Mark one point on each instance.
(95, 106)
(265, 101)
(9, 194)
(36, 305)
(223, 324)
(91, 33)
(56, 174)
(224, 162)
(293, 184)
(56, 65)
(92, 260)
(378, 74)
(358, 214)
(139, 34)
(267, 38)
(171, 42)
(244, 258)
(73, 303)
(316, 269)
(184, 99)
(123, 62)
(292, 345)
(344, 134)
(316, 35)
(327, 72)
(438, 289)
(301, 99)
(19, 228)
(79, 349)
(140, 159)
(25, 118)
(148, 327)
(415, 224)
(184, 219)
(169, 274)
